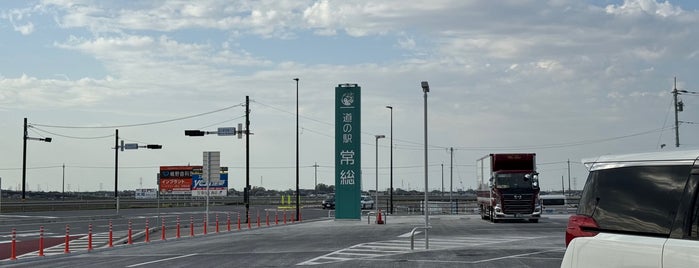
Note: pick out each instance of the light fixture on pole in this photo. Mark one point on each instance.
(390, 210)
(376, 199)
(425, 89)
(25, 137)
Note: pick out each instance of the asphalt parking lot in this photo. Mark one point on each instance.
(454, 241)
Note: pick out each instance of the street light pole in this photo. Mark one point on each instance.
(376, 200)
(298, 212)
(391, 168)
(425, 89)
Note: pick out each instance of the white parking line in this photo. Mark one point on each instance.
(378, 249)
(161, 260)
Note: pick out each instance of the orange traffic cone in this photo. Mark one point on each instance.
(379, 220)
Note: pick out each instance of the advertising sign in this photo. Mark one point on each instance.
(348, 176)
(146, 193)
(217, 187)
(176, 180)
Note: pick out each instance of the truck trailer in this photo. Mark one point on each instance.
(508, 187)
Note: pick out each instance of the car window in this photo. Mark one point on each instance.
(639, 199)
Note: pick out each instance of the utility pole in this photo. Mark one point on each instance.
(678, 108)
(116, 170)
(451, 173)
(442, 179)
(569, 189)
(315, 177)
(24, 160)
(63, 188)
(246, 195)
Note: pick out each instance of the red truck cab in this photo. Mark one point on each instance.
(512, 191)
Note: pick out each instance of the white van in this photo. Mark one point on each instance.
(553, 204)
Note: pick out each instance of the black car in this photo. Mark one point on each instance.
(329, 202)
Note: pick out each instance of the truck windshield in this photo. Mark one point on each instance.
(512, 180)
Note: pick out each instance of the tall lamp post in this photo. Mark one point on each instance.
(121, 147)
(298, 212)
(376, 200)
(390, 210)
(25, 137)
(425, 89)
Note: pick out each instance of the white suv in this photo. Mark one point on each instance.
(637, 210)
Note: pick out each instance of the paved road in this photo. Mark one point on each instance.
(27, 226)
(454, 240)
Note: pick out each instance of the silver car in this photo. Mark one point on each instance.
(367, 202)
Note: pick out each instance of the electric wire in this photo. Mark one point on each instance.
(141, 124)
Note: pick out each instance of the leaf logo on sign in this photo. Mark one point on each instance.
(347, 99)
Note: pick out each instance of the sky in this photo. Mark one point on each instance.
(565, 79)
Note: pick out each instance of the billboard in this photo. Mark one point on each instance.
(176, 180)
(146, 193)
(348, 175)
(217, 187)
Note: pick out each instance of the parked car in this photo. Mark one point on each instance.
(367, 202)
(329, 202)
(637, 210)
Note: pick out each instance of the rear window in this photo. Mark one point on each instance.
(642, 199)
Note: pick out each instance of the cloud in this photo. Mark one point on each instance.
(16, 17)
(644, 7)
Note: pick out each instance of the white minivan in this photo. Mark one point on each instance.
(637, 210)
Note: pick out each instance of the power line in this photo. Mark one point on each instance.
(568, 144)
(141, 124)
(71, 137)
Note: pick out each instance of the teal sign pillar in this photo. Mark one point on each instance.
(348, 173)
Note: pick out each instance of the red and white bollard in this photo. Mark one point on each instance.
(147, 232)
(111, 235)
(191, 225)
(216, 222)
(258, 218)
(238, 221)
(162, 229)
(284, 216)
(67, 249)
(205, 225)
(228, 221)
(247, 218)
(276, 218)
(41, 241)
(267, 216)
(13, 253)
(178, 227)
(129, 240)
(89, 237)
